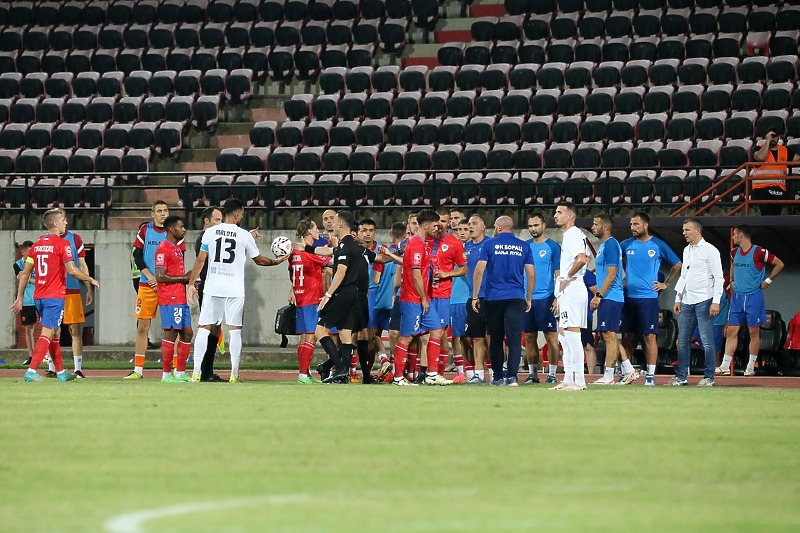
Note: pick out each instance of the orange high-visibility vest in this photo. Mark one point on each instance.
(772, 173)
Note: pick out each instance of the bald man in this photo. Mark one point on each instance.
(508, 262)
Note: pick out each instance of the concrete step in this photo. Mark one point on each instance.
(487, 10)
(202, 155)
(264, 113)
(230, 141)
(234, 128)
(198, 166)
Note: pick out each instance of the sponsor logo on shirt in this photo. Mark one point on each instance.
(160, 258)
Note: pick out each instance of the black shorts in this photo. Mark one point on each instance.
(345, 310)
(394, 319)
(587, 336)
(28, 315)
(476, 322)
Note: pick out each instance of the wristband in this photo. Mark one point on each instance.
(310, 248)
(768, 281)
(598, 295)
(327, 295)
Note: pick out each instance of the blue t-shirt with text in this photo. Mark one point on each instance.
(546, 260)
(506, 257)
(609, 254)
(642, 263)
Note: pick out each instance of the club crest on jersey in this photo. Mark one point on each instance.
(445, 247)
(542, 253)
(417, 257)
(651, 253)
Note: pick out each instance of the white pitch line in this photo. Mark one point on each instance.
(133, 522)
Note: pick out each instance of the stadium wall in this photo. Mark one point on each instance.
(267, 287)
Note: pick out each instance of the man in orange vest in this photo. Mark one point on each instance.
(769, 179)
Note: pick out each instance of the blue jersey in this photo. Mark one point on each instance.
(73, 284)
(610, 255)
(642, 263)
(546, 260)
(383, 289)
(148, 239)
(27, 297)
(506, 257)
(461, 291)
(473, 252)
(749, 269)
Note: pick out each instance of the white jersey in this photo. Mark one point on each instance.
(228, 247)
(573, 243)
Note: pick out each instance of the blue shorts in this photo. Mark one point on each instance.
(458, 319)
(394, 318)
(587, 338)
(442, 307)
(175, 316)
(378, 317)
(609, 315)
(51, 311)
(540, 317)
(747, 309)
(640, 315)
(306, 319)
(413, 322)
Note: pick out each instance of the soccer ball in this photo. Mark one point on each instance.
(281, 246)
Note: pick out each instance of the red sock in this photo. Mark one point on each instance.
(304, 354)
(458, 360)
(184, 348)
(469, 367)
(384, 358)
(167, 351)
(55, 354)
(400, 358)
(39, 351)
(443, 356)
(354, 363)
(413, 362)
(434, 347)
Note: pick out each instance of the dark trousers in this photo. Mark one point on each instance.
(504, 320)
(769, 193)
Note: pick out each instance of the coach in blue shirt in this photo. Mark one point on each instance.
(508, 263)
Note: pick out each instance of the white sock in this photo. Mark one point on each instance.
(470, 373)
(726, 362)
(165, 375)
(179, 374)
(627, 367)
(752, 362)
(531, 369)
(302, 376)
(50, 365)
(481, 374)
(235, 347)
(573, 339)
(78, 359)
(569, 372)
(200, 345)
(552, 369)
(459, 368)
(609, 372)
(651, 370)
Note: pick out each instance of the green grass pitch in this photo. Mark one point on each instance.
(106, 455)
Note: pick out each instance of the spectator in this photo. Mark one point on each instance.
(28, 315)
(769, 179)
(697, 298)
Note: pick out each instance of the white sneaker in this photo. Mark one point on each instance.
(436, 379)
(629, 378)
(404, 383)
(605, 380)
(749, 371)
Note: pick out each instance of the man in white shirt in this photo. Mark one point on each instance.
(698, 293)
(571, 297)
(226, 246)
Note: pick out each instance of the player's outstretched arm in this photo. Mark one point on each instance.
(194, 274)
(76, 273)
(265, 261)
(163, 277)
(23, 279)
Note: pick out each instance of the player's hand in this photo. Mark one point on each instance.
(323, 302)
(425, 306)
(563, 285)
(292, 298)
(254, 232)
(528, 305)
(191, 294)
(676, 309)
(16, 307)
(658, 286)
(153, 283)
(334, 241)
(95, 283)
(89, 297)
(281, 259)
(554, 308)
(764, 285)
(714, 310)
(476, 303)
(595, 303)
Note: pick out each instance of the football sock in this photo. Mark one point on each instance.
(304, 354)
(573, 338)
(651, 370)
(552, 369)
(55, 354)
(207, 369)
(444, 355)
(609, 372)
(383, 358)
(346, 353)
(751, 364)
(200, 345)
(726, 362)
(469, 370)
(50, 366)
(400, 359)
(569, 374)
(167, 349)
(481, 374)
(363, 357)
(458, 360)
(183, 356)
(78, 360)
(627, 367)
(333, 353)
(39, 351)
(413, 361)
(236, 350)
(138, 363)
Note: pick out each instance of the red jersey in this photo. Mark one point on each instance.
(416, 257)
(169, 257)
(305, 271)
(49, 255)
(448, 255)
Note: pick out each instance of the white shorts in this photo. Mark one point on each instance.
(573, 306)
(217, 308)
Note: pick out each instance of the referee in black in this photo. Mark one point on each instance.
(211, 217)
(344, 306)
